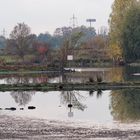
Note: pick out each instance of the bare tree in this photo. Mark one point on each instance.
(20, 40)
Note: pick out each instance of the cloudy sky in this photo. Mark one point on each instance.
(46, 15)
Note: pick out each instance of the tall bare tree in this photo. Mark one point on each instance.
(20, 40)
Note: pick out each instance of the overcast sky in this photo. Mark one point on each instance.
(47, 15)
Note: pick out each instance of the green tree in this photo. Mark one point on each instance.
(131, 35)
(119, 11)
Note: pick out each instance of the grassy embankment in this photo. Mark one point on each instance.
(69, 86)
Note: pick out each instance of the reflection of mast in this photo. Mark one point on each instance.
(70, 114)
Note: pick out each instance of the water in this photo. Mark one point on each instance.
(98, 114)
(107, 107)
(82, 75)
(102, 107)
(54, 105)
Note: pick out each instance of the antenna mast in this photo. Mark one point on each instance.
(74, 21)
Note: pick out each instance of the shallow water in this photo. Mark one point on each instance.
(76, 114)
(77, 77)
(81, 75)
(99, 107)
(54, 105)
(106, 115)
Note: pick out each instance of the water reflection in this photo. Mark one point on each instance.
(22, 98)
(25, 79)
(107, 74)
(113, 74)
(73, 98)
(122, 105)
(130, 73)
(125, 105)
(98, 93)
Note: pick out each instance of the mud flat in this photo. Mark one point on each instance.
(28, 128)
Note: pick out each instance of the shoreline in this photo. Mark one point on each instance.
(69, 86)
(27, 128)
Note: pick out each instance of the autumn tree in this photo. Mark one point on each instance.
(131, 35)
(95, 49)
(41, 49)
(20, 40)
(119, 11)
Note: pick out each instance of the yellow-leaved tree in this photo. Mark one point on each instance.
(116, 20)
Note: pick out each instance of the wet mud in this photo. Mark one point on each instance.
(27, 128)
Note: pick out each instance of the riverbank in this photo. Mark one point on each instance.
(69, 86)
(29, 128)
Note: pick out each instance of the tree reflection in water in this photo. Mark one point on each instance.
(73, 97)
(18, 80)
(26, 79)
(98, 93)
(22, 98)
(125, 105)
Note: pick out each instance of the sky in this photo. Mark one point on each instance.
(46, 15)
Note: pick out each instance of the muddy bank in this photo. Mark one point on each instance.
(21, 128)
(68, 86)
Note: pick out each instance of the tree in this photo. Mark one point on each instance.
(119, 11)
(95, 49)
(76, 36)
(42, 50)
(55, 41)
(2, 42)
(64, 31)
(131, 35)
(20, 40)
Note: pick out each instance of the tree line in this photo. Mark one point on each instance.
(120, 45)
(81, 42)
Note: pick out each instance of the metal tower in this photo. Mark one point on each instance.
(73, 21)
